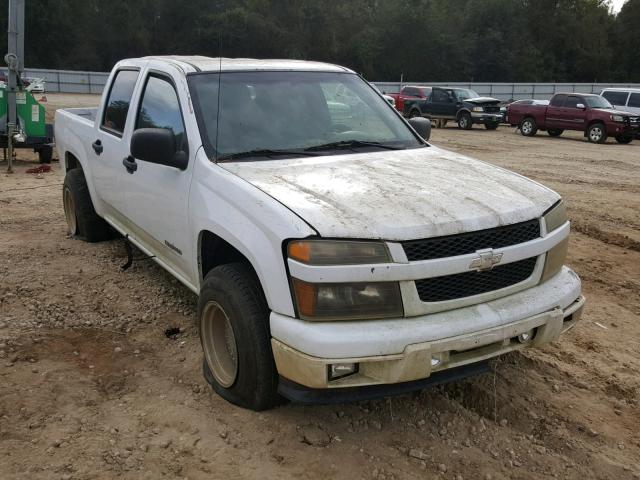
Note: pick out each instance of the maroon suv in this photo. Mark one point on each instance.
(590, 114)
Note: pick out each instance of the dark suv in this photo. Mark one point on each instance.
(460, 104)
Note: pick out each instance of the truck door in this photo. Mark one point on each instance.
(157, 195)
(111, 142)
(556, 112)
(442, 104)
(574, 118)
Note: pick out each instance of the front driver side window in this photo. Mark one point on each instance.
(160, 108)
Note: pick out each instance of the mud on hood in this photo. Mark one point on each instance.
(397, 195)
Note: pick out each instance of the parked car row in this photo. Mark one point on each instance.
(614, 113)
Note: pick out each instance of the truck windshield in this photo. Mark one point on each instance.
(465, 93)
(597, 102)
(264, 115)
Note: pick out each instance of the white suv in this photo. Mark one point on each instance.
(625, 99)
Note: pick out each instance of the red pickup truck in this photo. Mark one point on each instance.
(590, 114)
(409, 92)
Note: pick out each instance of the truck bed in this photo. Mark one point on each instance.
(88, 114)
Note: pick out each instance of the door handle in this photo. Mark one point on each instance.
(130, 164)
(97, 147)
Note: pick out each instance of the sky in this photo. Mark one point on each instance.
(617, 5)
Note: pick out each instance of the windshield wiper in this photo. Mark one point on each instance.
(351, 144)
(264, 152)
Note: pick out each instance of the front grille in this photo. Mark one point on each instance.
(466, 284)
(492, 108)
(464, 243)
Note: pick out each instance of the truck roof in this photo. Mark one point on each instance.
(214, 64)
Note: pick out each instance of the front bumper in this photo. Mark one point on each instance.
(410, 349)
(482, 117)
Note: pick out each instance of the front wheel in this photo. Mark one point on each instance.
(597, 133)
(528, 127)
(233, 320)
(464, 121)
(555, 132)
(624, 139)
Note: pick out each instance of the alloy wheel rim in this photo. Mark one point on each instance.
(70, 211)
(526, 127)
(219, 344)
(596, 134)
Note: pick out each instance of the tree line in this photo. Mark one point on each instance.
(423, 40)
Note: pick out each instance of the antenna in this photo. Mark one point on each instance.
(219, 91)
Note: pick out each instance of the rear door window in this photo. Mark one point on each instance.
(558, 100)
(117, 106)
(440, 96)
(616, 98)
(634, 100)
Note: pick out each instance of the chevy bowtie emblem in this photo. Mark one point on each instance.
(485, 260)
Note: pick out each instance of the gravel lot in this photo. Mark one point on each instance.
(91, 388)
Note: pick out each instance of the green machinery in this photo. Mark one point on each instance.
(22, 118)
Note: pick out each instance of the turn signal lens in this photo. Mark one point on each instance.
(347, 301)
(340, 252)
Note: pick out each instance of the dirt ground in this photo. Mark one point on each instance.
(91, 388)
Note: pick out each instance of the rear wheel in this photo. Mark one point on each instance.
(624, 139)
(464, 121)
(233, 320)
(597, 133)
(528, 127)
(82, 219)
(555, 132)
(491, 126)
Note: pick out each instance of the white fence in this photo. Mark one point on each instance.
(71, 81)
(514, 91)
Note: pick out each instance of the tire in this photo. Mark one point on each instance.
(45, 154)
(555, 132)
(491, 126)
(597, 133)
(528, 127)
(464, 121)
(414, 113)
(238, 365)
(624, 139)
(82, 219)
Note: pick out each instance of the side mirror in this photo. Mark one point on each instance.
(158, 145)
(581, 106)
(422, 126)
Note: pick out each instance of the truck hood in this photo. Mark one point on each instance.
(397, 195)
(613, 111)
(483, 101)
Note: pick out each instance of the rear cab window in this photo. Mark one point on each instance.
(558, 100)
(116, 109)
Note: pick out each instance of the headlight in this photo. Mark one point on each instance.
(477, 109)
(339, 252)
(343, 301)
(556, 216)
(617, 118)
(554, 260)
(347, 301)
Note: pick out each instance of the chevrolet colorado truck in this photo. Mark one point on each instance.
(587, 113)
(334, 258)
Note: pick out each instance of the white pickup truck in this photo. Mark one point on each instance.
(336, 254)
